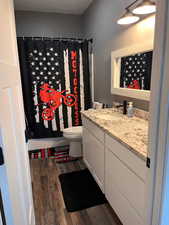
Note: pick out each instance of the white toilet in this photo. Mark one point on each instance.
(74, 136)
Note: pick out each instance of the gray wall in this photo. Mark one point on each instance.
(48, 24)
(100, 23)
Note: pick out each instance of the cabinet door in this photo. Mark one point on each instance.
(124, 191)
(94, 156)
(132, 161)
(88, 154)
(93, 129)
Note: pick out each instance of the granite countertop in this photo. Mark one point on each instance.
(132, 132)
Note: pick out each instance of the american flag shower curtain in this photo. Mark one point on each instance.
(55, 82)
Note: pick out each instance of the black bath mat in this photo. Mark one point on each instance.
(80, 191)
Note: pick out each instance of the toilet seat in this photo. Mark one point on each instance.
(77, 131)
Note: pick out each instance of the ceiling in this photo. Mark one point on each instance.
(76, 7)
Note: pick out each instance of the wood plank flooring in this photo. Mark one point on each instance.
(48, 200)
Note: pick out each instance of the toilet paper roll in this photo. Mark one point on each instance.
(97, 105)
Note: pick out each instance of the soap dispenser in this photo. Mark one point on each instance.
(130, 109)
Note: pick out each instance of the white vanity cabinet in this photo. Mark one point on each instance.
(93, 151)
(125, 182)
(119, 172)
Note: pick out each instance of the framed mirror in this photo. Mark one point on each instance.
(131, 71)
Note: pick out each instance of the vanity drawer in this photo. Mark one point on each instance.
(94, 129)
(124, 190)
(132, 161)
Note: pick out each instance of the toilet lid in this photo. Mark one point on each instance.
(73, 130)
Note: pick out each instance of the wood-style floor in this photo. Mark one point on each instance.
(48, 200)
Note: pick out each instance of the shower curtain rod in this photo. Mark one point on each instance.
(57, 38)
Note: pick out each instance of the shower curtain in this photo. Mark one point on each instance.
(55, 82)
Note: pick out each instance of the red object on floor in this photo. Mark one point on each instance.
(60, 154)
(43, 153)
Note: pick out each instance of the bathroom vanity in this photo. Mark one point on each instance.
(115, 151)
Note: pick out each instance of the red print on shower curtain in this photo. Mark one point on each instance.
(75, 85)
(134, 85)
(54, 99)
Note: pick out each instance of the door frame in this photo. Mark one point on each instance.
(158, 150)
(15, 180)
(2, 212)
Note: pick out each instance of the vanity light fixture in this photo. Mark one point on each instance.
(128, 18)
(146, 7)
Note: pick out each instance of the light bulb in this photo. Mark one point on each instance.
(128, 18)
(146, 7)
